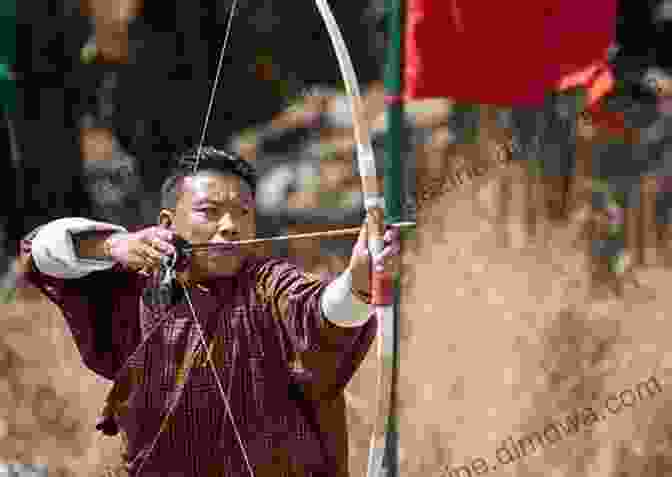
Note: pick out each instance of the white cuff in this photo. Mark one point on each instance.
(338, 303)
(54, 252)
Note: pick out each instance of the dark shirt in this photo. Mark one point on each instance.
(266, 333)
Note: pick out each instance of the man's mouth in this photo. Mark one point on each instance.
(215, 249)
(222, 249)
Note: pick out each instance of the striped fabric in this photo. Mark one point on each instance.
(266, 335)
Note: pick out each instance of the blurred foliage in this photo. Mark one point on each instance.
(7, 296)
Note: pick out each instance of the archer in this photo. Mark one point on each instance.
(242, 370)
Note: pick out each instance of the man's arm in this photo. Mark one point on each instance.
(93, 245)
(72, 247)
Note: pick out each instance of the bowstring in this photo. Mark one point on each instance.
(199, 328)
(227, 403)
(220, 387)
(213, 91)
(203, 342)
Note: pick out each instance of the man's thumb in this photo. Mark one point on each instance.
(361, 246)
(364, 234)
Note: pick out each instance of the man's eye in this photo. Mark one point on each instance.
(214, 210)
(208, 211)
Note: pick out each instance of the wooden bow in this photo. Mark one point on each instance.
(382, 283)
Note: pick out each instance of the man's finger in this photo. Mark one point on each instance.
(392, 233)
(164, 234)
(151, 253)
(147, 234)
(145, 260)
(361, 244)
(144, 272)
(154, 243)
(163, 246)
(363, 233)
(389, 251)
(388, 260)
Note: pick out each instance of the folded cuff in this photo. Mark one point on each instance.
(338, 302)
(53, 248)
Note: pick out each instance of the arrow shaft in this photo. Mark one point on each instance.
(310, 235)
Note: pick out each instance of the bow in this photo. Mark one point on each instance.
(382, 283)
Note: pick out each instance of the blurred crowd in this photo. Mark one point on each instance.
(129, 82)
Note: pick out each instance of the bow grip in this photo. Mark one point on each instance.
(382, 283)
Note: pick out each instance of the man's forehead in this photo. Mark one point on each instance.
(217, 187)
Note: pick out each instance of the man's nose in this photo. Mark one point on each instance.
(227, 227)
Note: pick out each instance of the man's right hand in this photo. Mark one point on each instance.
(142, 250)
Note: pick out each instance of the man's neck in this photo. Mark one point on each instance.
(196, 277)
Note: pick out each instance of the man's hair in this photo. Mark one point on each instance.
(210, 160)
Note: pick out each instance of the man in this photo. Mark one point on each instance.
(283, 342)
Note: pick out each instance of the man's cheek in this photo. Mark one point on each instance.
(200, 230)
(198, 218)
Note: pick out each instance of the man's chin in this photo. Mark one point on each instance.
(222, 267)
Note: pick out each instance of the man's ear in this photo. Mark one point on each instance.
(166, 218)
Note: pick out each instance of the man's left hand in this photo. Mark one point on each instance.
(362, 263)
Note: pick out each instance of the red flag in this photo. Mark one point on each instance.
(505, 52)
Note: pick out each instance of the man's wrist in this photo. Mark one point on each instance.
(95, 245)
(107, 245)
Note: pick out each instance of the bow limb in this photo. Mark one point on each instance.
(374, 202)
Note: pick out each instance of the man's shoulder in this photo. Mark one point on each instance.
(257, 262)
(278, 266)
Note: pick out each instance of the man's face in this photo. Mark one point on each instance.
(214, 208)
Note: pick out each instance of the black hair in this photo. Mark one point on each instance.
(210, 160)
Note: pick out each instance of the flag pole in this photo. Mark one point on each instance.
(393, 203)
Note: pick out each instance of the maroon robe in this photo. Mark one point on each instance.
(267, 337)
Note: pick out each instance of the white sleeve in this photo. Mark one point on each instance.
(337, 302)
(54, 253)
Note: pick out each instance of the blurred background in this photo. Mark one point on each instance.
(108, 91)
